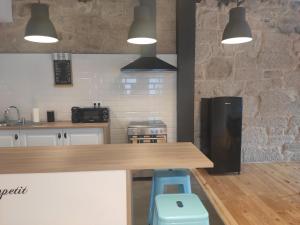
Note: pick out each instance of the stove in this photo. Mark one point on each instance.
(140, 132)
(151, 131)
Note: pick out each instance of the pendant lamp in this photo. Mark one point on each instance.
(237, 30)
(40, 28)
(143, 29)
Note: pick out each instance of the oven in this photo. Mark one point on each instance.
(142, 132)
(153, 131)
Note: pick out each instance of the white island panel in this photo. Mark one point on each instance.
(72, 198)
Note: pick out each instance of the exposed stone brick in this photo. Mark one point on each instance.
(218, 68)
(204, 36)
(255, 87)
(293, 79)
(247, 74)
(261, 154)
(207, 19)
(203, 53)
(255, 136)
(276, 61)
(250, 106)
(270, 74)
(244, 60)
(276, 42)
(275, 103)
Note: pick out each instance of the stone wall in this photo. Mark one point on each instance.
(88, 26)
(265, 72)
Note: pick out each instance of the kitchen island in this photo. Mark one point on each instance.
(81, 185)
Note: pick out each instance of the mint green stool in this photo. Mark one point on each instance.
(179, 209)
(163, 178)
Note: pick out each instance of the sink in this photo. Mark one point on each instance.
(15, 123)
(29, 123)
(25, 123)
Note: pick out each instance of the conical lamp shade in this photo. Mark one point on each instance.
(39, 28)
(237, 30)
(142, 30)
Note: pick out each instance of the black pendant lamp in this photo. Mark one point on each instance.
(40, 28)
(237, 30)
(143, 29)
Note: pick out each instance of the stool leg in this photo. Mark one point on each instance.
(151, 206)
(187, 186)
(158, 189)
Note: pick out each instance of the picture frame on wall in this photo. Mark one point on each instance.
(62, 65)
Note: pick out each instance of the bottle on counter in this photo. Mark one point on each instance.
(36, 115)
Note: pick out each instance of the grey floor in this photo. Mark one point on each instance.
(141, 194)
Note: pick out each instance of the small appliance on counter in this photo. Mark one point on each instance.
(94, 114)
(140, 132)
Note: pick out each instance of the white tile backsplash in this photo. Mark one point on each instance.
(27, 81)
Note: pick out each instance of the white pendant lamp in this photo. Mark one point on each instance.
(143, 29)
(39, 28)
(237, 30)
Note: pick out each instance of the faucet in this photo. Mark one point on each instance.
(7, 111)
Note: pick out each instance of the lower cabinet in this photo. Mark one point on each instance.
(51, 137)
(86, 136)
(10, 138)
(41, 137)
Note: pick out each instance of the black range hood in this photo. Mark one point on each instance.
(148, 62)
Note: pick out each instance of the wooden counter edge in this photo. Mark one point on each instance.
(57, 125)
(129, 197)
(222, 211)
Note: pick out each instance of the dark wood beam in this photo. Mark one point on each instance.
(185, 34)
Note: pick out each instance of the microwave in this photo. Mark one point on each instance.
(90, 115)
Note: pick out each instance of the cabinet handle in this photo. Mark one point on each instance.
(16, 137)
(59, 135)
(65, 135)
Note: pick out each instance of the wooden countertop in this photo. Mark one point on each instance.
(101, 157)
(56, 125)
(264, 194)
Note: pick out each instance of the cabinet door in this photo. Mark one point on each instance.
(83, 136)
(9, 138)
(42, 137)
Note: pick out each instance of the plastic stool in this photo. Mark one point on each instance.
(180, 209)
(162, 178)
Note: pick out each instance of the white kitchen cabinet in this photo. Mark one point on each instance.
(59, 137)
(83, 136)
(9, 138)
(41, 137)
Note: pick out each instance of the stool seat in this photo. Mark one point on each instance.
(180, 209)
(163, 178)
(170, 173)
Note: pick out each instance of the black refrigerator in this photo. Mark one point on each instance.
(221, 133)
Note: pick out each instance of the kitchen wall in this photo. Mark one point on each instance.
(88, 26)
(265, 72)
(27, 81)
